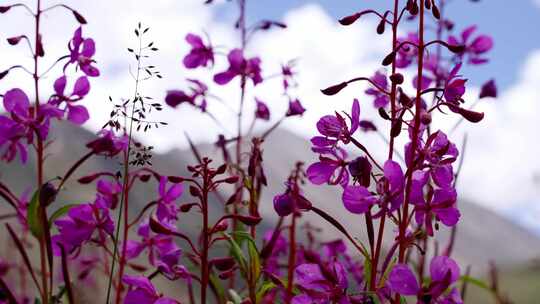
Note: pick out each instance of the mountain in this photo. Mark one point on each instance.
(482, 235)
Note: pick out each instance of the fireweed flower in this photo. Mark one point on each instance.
(438, 205)
(240, 66)
(169, 264)
(107, 193)
(332, 171)
(334, 128)
(75, 113)
(167, 209)
(381, 99)
(358, 199)
(196, 97)
(408, 53)
(291, 201)
(295, 108)
(108, 144)
(474, 48)
(455, 86)
(444, 272)
(143, 292)
(81, 52)
(200, 54)
(80, 224)
(155, 244)
(437, 155)
(321, 285)
(23, 124)
(261, 111)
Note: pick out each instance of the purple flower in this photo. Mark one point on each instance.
(358, 199)
(240, 66)
(290, 201)
(440, 204)
(455, 86)
(108, 192)
(23, 124)
(108, 143)
(381, 99)
(261, 111)
(444, 272)
(200, 54)
(81, 52)
(335, 129)
(360, 170)
(197, 96)
(332, 171)
(407, 53)
(80, 224)
(156, 245)
(167, 209)
(474, 48)
(76, 113)
(295, 108)
(321, 283)
(143, 292)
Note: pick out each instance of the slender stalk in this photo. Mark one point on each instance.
(124, 195)
(205, 236)
(393, 105)
(40, 159)
(415, 140)
(292, 258)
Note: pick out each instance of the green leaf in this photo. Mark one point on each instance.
(476, 282)
(237, 254)
(33, 216)
(59, 213)
(216, 282)
(367, 271)
(254, 261)
(264, 289)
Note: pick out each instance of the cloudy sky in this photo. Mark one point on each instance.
(501, 159)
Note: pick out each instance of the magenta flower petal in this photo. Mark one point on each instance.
(261, 111)
(60, 85)
(15, 100)
(77, 114)
(224, 77)
(355, 116)
(320, 172)
(295, 108)
(358, 199)
(440, 267)
(403, 281)
(82, 87)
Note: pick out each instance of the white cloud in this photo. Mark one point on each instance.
(502, 151)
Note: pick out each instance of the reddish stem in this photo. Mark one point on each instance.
(292, 258)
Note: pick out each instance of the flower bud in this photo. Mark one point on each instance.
(425, 117)
(350, 19)
(222, 264)
(333, 90)
(47, 194)
(397, 78)
(389, 59)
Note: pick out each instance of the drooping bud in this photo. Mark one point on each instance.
(457, 49)
(436, 12)
(4, 9)
(381, 26)
(79, 17)
(333, 90)
(348, 20)
(15, 40)
(471, 116)
(489, 89)
(389, 59)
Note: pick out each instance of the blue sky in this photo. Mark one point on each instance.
(501, 159)
(513, 23)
